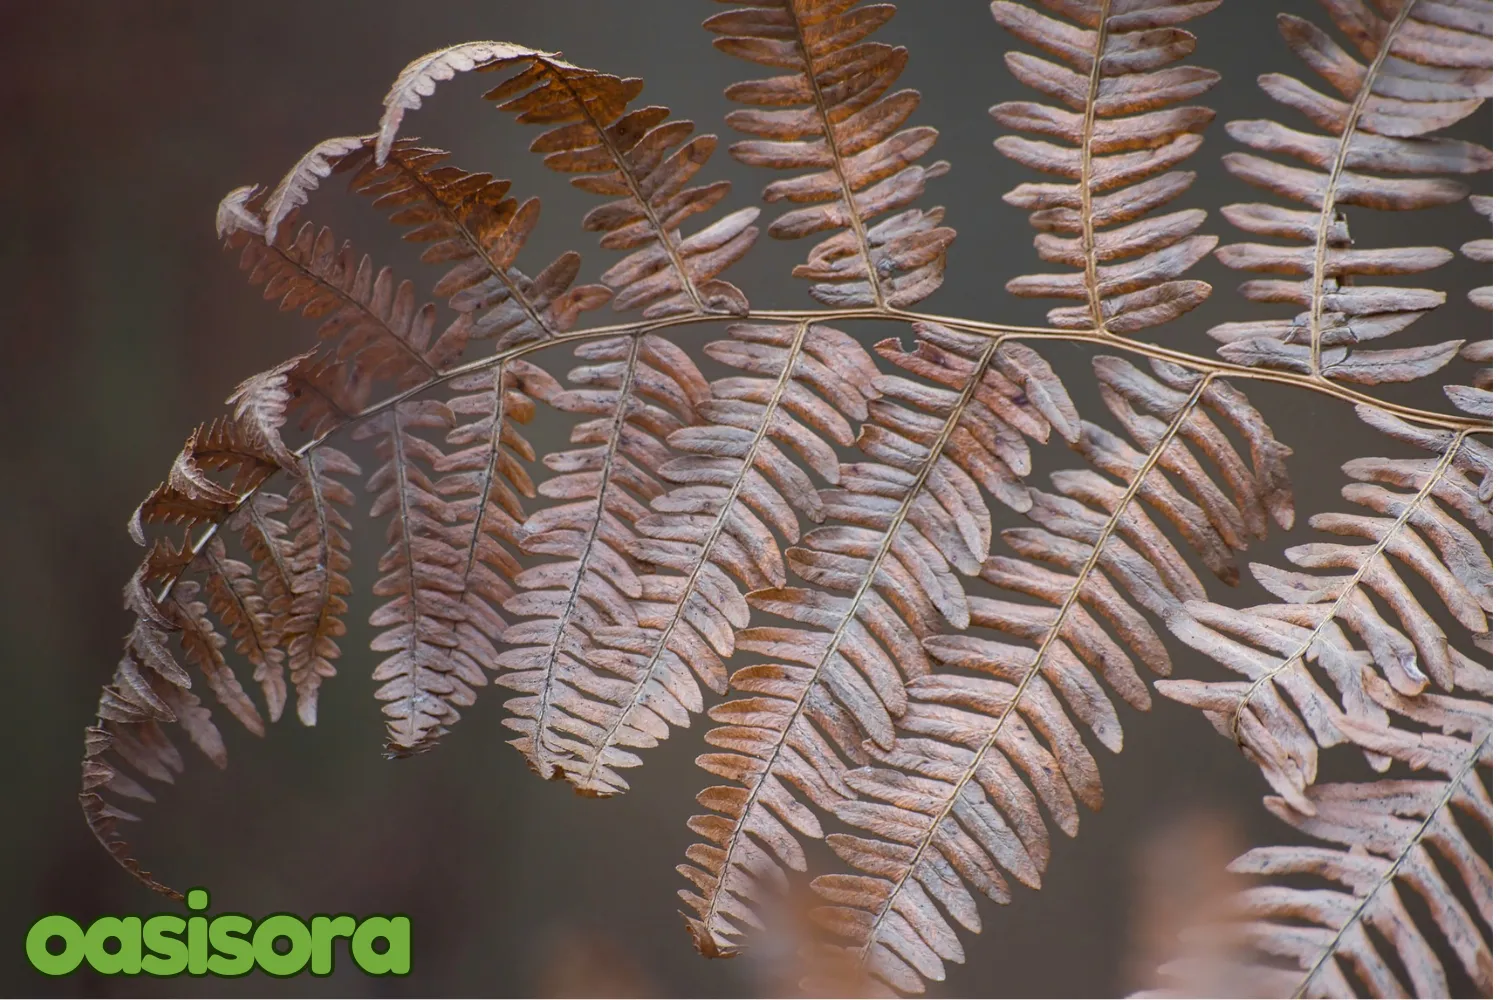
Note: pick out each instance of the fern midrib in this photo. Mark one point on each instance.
(622, 408)
(492, 458)
(856, 224)
(662, 236)
(1148, 465)
(1330, 194)
(1390, 874)
(414, 614)
(836, 639)
(482, 506)
(275, 551)
(475, 247)
(325, 574)
(1376, 552)
(794, 353)
(212, 662)
(1086, 165)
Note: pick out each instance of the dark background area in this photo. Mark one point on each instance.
(122, 325)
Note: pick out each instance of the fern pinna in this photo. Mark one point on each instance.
(915, 640)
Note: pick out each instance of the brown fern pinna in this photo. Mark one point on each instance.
(915, 642)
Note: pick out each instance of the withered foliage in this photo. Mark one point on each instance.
(933, 640)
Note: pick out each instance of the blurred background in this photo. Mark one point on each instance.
(122, 325)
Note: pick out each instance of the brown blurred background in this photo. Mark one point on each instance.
(122, 325)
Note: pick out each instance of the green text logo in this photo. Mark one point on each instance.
(228, 944)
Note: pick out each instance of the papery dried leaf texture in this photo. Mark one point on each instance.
(910, 578)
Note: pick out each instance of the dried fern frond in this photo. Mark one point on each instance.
(910, 514)
(469, 222)
(284, 611)
(1340, 938)
(988, 746)
(735, 487)
(1118, 89)
(317, 557)
(149, 689)
(1417, 68)
(584, 611)
(831, 113)
(1280, 715)
(931, 681)
(372, 322)
(637, 157)
(236, 600)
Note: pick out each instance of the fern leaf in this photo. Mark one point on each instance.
(1410, 76)
(292, 192)
(944, 805)
(1274, 646)
(424, 684)
(468, 221)
(150, 689)
(317, 559)
(324, 394)
(260, 406)
(128, 734)
(832, 113)
(1297, 940)
(1116, 81)
(628, 155)
(235, 599)
(735, 488)
(372, 320)
(911, 513)
(584, 610)
(191, 495)
(1482, 251)
(204, 646)
(263, 535)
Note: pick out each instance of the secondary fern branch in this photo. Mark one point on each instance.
(934, 799)
(1326, 211)
(1279, 715)
(1350, 586)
